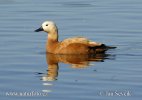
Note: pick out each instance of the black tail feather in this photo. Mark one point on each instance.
(100, 49)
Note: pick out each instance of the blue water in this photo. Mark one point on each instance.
(24, 66)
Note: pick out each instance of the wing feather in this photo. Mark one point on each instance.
(65, 43)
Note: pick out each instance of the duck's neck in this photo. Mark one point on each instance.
(52, 41)
(53, 36)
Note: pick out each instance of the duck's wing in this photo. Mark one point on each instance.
(94, 44)
(69, 44)
(80, 40)
(79, 45)
(99, 47)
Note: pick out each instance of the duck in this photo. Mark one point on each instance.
(74, 45)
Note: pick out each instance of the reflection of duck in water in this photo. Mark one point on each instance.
(76, 61)
(77, 45)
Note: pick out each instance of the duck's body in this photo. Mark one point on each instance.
(76, 45)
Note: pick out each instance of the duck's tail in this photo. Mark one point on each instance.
(110, 47)
(101, 48)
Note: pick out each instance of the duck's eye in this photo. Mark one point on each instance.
(46, 24)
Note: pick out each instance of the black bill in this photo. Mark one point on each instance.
(39, 29)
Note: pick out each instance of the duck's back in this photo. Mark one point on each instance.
(78, 45)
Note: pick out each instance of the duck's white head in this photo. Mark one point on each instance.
(47, 26)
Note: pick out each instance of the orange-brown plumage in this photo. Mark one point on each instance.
(76, 45)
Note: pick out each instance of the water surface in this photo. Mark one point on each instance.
(24, 64)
